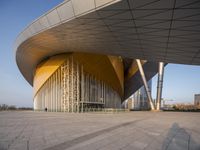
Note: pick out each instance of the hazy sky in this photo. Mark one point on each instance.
(181, 82)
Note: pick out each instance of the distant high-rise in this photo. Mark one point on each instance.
(197, 99)
(139, 100)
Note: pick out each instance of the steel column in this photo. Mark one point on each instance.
(159, 85)
(145, 84)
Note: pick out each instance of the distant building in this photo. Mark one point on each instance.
(139, 100)
(197, 99)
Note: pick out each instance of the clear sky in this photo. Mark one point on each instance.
(181, 82)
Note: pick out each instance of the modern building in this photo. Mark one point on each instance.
(139, 100)
(94, 54)
(197, 99)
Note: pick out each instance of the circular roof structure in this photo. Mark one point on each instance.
(167, 31)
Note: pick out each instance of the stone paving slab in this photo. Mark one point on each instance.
(99, 131)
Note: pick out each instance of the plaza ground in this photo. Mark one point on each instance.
(99, 131)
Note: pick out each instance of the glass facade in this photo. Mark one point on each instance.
(139, 100)
(197, 99)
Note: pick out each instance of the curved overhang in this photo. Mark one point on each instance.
(46, 69)
(165, 31)
(29, 52)
(94, 65)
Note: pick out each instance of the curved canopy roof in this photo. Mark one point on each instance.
(153, 30)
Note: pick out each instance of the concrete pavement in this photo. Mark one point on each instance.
(100, 131)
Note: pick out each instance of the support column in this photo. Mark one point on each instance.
(72, 91)
(82, 88)
(68, 85)
(145, 84)
(78, 89)
(159, 85)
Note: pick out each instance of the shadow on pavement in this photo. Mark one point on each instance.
(179, 139)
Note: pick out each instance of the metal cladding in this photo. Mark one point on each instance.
(145, 84)
(132, 84)
(156, 31)
(159, 85)
(162, 31)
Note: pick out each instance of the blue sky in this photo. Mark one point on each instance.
(181, 81)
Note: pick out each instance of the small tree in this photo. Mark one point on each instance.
(12, 107)
(3, 107)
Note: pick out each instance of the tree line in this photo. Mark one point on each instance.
(4, 107)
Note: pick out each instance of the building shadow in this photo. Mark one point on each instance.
(178, 138)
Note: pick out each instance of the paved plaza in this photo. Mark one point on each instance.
(99, 131)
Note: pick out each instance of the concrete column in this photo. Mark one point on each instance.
(159, 85)
(145, 84)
